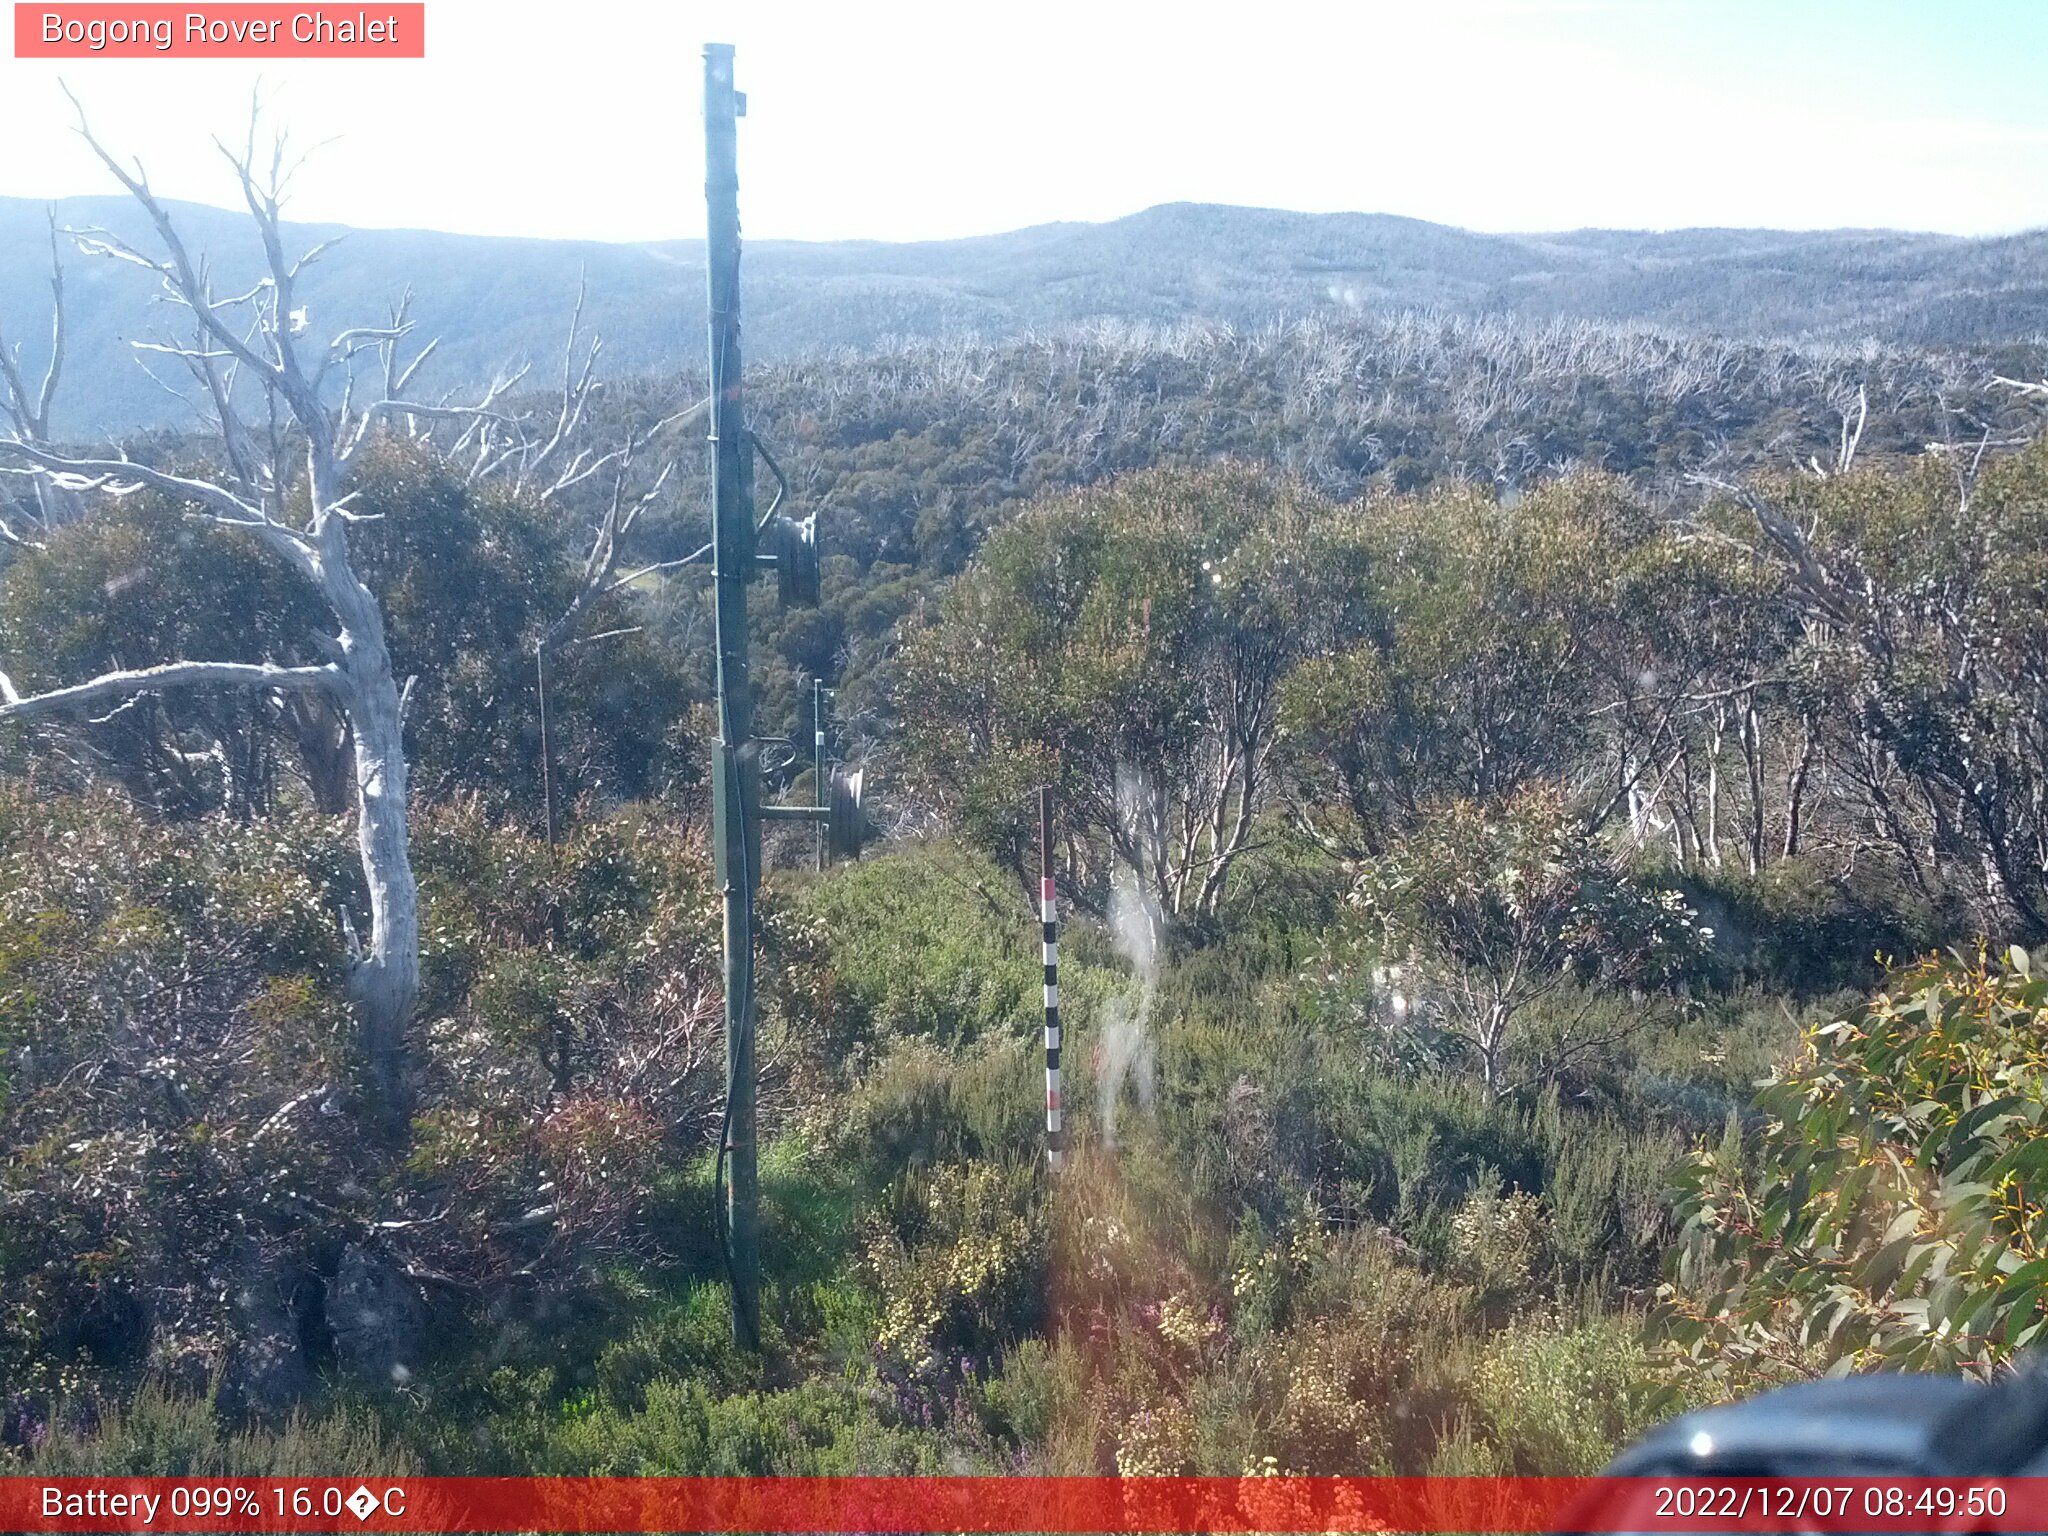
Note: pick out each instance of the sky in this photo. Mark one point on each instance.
(902, 120)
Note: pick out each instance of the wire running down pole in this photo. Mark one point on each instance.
(1048, 915)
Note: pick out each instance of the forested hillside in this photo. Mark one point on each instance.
(498, 300)
(914, 454)
(1488, 748)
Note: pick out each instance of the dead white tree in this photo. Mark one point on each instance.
(286, 463)
(28, 415)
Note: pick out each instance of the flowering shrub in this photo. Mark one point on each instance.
(1496, 1238)
(1560, 1396)
(1187, 1324)
(1329, 1405)
(1156, 1442)
(960, 1260)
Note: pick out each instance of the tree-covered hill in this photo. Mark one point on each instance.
(494, 299)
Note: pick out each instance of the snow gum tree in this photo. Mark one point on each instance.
(288, 417)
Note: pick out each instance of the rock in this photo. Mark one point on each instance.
(375, 1317)
(267, 1372)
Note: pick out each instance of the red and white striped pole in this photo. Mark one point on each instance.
(1048, 913)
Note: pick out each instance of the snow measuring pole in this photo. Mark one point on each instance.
(737, 556)
(1049, 919)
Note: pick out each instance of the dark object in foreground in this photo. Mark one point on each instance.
(1924, 1426)
(1905, 1427)
(1875, 1426)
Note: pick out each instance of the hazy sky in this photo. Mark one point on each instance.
(907, 120)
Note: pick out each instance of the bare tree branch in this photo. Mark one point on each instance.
(1813, 578)
(658, 567)
(123, 476)
(30, 410)
(603, 559)
(175, 674)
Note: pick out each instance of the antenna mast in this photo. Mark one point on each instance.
(736, 808)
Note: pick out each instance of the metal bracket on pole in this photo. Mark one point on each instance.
(841, 816)
(792, 543)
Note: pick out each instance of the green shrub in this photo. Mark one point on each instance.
(1503, 906)
(1890, 1213)
(161, 1434)
(921, 1105)
(1038, 1385)
(1497, 1238)
(1605, 1192)
(823, 1427)
(1794, 929)
(1238, 1098)
(931, 942)
(689, 1340)
(1559, 1399)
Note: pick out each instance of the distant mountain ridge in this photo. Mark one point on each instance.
(492, 298)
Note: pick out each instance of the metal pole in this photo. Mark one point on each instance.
(820, 790)
(1048, 915)
(547, 778)
(735, 768)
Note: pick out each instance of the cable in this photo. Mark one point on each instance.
(746, 1024)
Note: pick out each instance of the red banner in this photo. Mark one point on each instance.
(224, 31)
(1061, 1505)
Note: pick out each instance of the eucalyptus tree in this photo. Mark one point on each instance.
(1920, 593)
(1477, 662)
(1127, 643)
